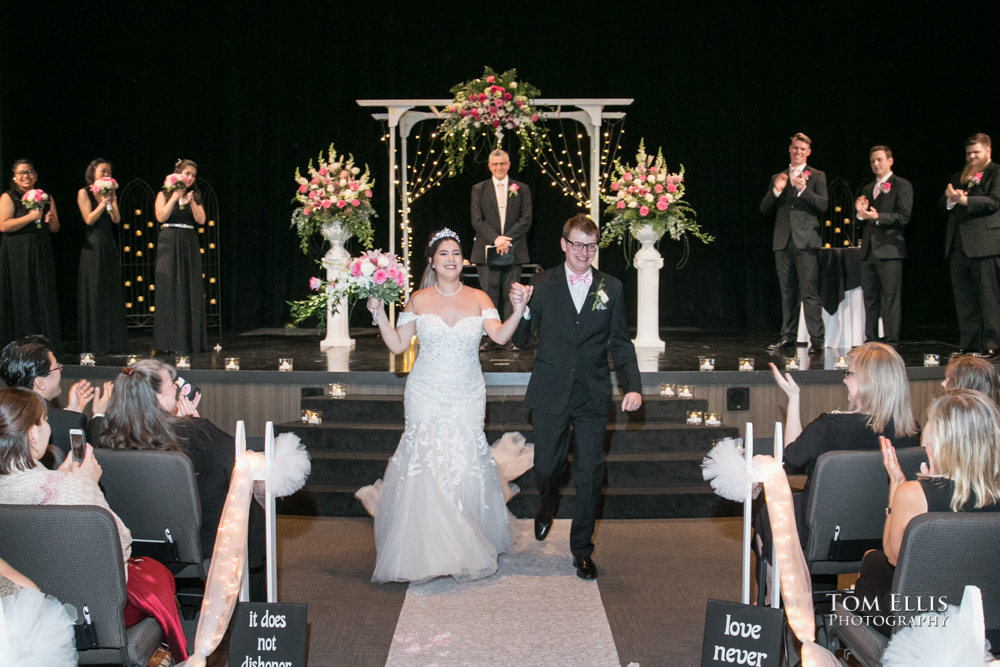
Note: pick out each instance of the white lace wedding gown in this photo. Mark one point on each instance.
(441, 510)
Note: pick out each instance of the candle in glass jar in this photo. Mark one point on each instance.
(712, 419)
(932, 360)
(746, 363)
(840, 364)
(232, 363)
(684, 391)
(706, 363)
(183, 363)
(667, 390)
(285, 364)
(87, 359)
(694, 418)
(792, 364)
(134, 358)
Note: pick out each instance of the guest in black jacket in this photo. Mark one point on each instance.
(28, 362)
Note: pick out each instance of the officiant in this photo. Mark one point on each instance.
(501, 217)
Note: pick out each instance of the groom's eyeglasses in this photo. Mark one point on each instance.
(589, 247)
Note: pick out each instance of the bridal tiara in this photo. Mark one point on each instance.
(444, 233)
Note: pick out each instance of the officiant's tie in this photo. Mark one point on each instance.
(502, 205)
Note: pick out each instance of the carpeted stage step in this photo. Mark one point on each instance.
(653, 463)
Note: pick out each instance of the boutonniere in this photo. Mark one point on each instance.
(600, 297)
(976, 177)
(886, 186)
(512, 190)
(805, 175)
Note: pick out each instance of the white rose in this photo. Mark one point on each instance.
(355, 171)
(670, 198)
(367, 268)
(331, 188)
(633, 204)
(513, 84)
(343, 182)
(383, 261)
(501, 113)
(602, 295)
(649, 196)
(661, 177)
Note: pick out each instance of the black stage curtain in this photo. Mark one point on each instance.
(251, 90)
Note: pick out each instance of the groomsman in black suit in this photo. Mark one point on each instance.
(501, 216)
(972, 246)
(28, 362)
(797, 198)
(579, 315)
(883, 209)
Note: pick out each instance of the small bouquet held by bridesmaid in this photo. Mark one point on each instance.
(375, 274)
(35, 199)
(104, 187)
(177, 182)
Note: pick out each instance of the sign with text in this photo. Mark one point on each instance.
(739, 634)
(268, 635)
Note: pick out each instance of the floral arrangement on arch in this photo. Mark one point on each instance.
(485, 108)
(335, 191)
(374, 274)
(648, 194)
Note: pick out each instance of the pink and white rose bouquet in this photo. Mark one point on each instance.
(104, 187)
(647, 193)
(35, 199)
(374, 274)
(335, 191)
(485, 108)
(177, 182)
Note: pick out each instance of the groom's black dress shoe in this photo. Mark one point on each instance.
(585, 568)
(543, 525)
(782, 344)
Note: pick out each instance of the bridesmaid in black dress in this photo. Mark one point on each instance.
(100, 322)
(28, 302)
(179, 324)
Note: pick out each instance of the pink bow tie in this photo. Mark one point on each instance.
(586, 280)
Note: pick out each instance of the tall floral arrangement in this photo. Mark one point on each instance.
(647, 193)
(335, 191)
(485, 108)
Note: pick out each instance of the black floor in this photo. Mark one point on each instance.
(260, 350)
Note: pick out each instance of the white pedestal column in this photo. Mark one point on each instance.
(648, 261)
(336, 259)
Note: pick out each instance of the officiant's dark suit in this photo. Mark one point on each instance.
(796, 242)
(883, 249)
(496, 280)
(570, 385)
(972, 245)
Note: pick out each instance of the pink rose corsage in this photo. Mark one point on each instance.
(886, 186)
(512, 190)
(976, 177)
(806, 175)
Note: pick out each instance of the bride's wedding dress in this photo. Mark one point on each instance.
(441, 510)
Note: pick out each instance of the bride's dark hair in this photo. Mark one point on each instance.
(435, 240)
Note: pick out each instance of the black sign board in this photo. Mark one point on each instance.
(268, 635)
(739, 634)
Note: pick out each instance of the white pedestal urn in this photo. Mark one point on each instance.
(648, 261)
(336, 259)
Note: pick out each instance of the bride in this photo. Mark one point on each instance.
(441, 510)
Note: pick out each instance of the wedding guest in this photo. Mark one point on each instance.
(146, 413)
(29, 362)
(879, 395)
(883, 247)
(972, 246)
(962, 439)
(968, 372)
(796, 241)
(179, 323)
(24, 430)
(100, 298)
(501, 217)
(28, 301)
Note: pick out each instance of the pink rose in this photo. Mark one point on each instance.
(314, 283)
(368, 193)
(379, 276)
(513, 187)
(627, 176)
(653, 170)
(671, 188)
(496, 123)
(614, 186)
(658, 188)
(643, 210)
(490, 79)
(886, 186)
(534, 118)
(518, 103)
(353, 185)
(463, 113)
(393, 273)
(326, 203)
(506, 96)
(482, 97)
(322, 172)
(341, 204)
(355, 202)
(661, 205)
(313, 181)
(620, 204)
(303, 189)
(307, 211)
(806, 174)
(356, 268)
(472, 97)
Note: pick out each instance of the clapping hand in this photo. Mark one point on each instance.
(102, 398)
(954, 195)
(780, 181)
(861, 205)
(891, 463)
(79, 395)
(799, 183)
(785, 381)
(186, 199)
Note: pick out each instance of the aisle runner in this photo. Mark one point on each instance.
(534, 611)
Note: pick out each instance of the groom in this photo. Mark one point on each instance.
(579, 314)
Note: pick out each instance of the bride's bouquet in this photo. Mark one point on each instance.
(104, 187)
(177, 182)
(375, 274)
(35, 199)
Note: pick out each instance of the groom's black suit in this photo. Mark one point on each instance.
(571, 386)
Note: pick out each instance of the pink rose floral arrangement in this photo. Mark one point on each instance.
(105, 187)
(35, 200)
(333, 191)
(177, 182)
(374, 274)
(647, 193)
(486, 108)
